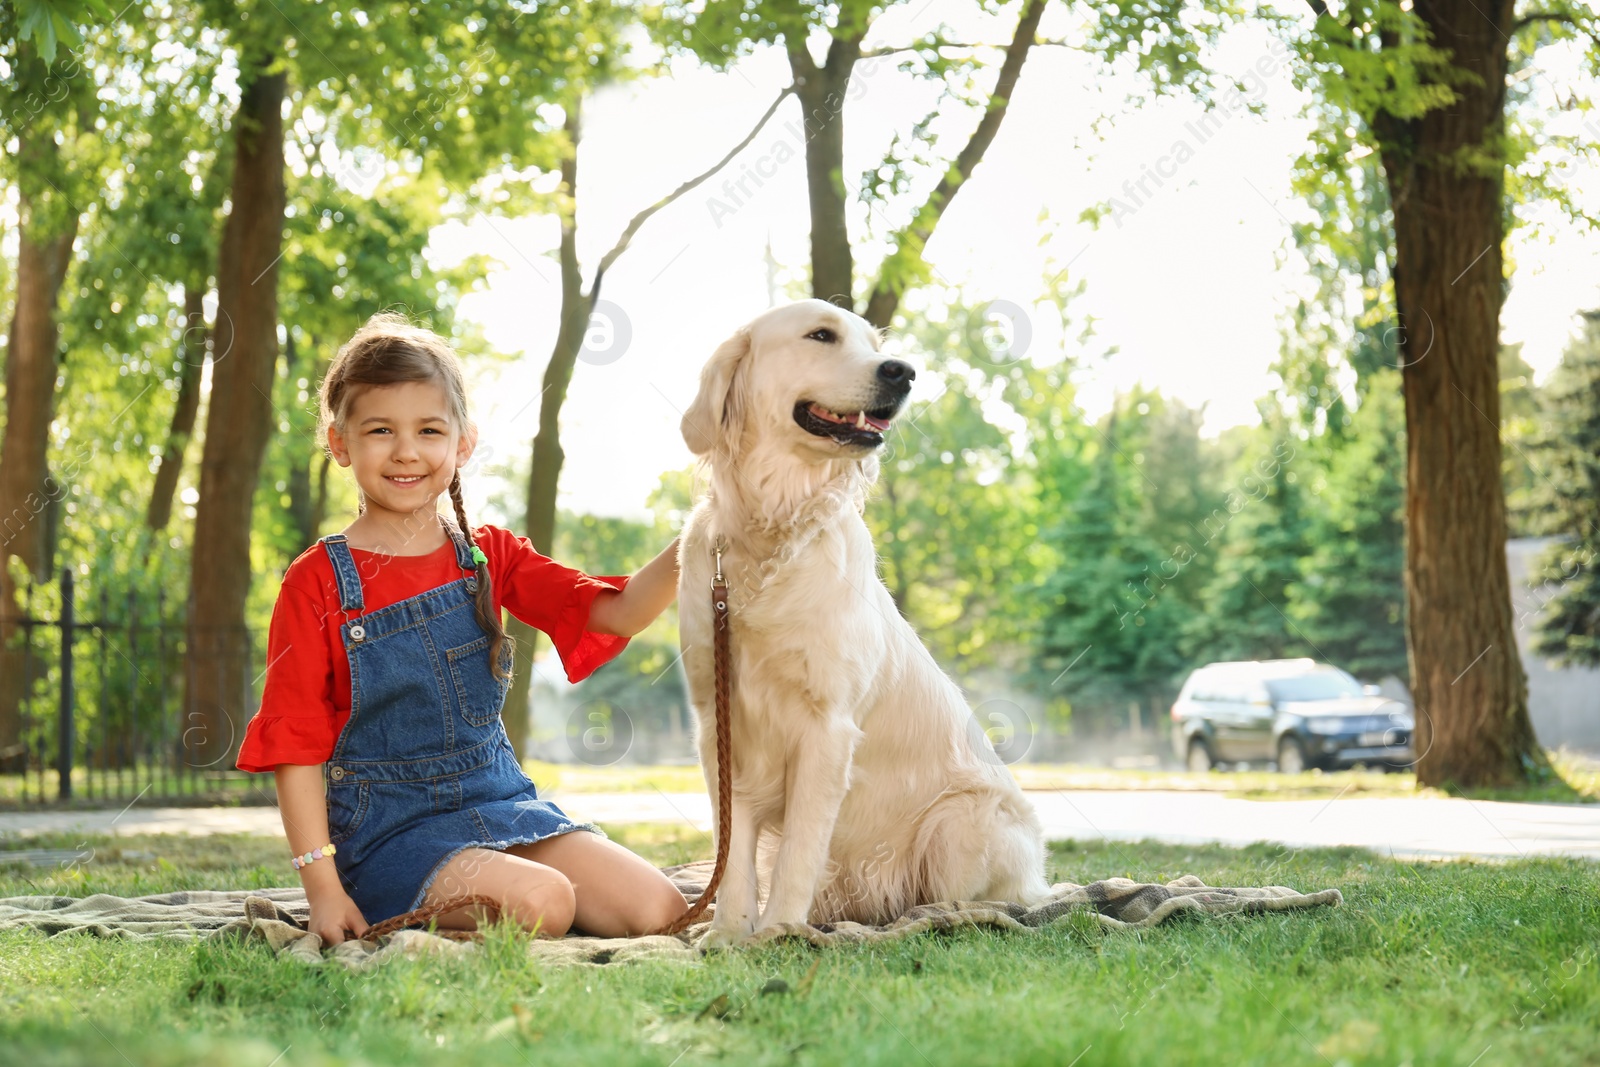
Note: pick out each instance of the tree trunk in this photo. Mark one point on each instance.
(302, 500)
(821, 90)
(192, 357)
(1471, 694)
(319, 501)
(545, 475)
(27, 491)
(238, 425)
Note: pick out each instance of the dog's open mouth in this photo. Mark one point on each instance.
(853, 428)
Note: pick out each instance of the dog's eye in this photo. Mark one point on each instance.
(825, 335)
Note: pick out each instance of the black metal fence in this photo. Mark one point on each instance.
(100, 718)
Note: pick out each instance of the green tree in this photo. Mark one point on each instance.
(1350, 599)
(953, 517)
(642, 683)
(456, 92)
(58, 138)
(1428, 89)
(582, 324)
(1133, 561)
(720, 32)
(1259, 535)
(1520, 405)
(1568, 629)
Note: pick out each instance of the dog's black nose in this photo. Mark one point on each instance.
(897, 372)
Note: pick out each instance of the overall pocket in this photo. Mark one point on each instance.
(479, 694)
(347, 809)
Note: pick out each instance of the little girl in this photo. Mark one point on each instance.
(387, 667)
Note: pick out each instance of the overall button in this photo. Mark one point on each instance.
(336, 774)
(357, 632)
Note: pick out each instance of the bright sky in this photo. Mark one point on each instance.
(1187, 290)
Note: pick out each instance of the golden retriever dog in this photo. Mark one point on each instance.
(857, 767)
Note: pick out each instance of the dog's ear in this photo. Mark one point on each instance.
(718, 407)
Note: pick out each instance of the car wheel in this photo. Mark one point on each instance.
(1200, 756)
(1291, 756)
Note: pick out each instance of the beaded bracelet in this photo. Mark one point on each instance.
(315, 854)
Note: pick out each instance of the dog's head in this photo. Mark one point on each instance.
(809, 377)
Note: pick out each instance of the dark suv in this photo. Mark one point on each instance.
(1298, 712)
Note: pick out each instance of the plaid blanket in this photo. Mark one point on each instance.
(278, 917)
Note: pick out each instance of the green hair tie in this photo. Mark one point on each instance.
(478, 556)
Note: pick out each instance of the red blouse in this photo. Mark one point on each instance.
(306, 699)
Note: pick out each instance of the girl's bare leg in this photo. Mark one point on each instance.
(531, 893)
(618, 894)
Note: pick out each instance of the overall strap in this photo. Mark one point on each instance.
(344, 571)
(463, 551)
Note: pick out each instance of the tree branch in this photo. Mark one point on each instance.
(878, 53)
(642, 217)
(886, 294)
(1548, 16)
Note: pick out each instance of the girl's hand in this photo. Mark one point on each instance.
(332, 915)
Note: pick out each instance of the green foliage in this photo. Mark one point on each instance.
(1164, 39)
(1132, 546)
(1520, 416)
(600, 544)
(1568, 630)
(1348, 605)
(52, 120)
(1371, 70)
(1259, 534)
(642, 683)
(954, 514)
(45, 24)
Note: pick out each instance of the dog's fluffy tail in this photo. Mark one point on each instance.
(981, 843)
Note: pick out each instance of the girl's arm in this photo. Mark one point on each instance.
(626, 611)
(302, 801)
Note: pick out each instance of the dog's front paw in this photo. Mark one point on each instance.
(724, 935)
(769, 930)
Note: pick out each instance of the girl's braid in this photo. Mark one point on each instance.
(488, 617)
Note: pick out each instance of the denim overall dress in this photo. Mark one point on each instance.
(423, 768)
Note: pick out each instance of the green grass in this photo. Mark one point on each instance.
(1454, 963)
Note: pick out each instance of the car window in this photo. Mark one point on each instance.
(1318, 685)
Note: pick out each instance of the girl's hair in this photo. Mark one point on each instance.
(388, 350)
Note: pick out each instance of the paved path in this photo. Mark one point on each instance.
(1407, 828)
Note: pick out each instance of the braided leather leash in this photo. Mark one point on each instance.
(719, 616)
(421, 916)
(719, 644)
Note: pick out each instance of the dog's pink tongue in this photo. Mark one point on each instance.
(877, 424)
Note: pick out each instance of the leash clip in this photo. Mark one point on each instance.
(718, 545)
